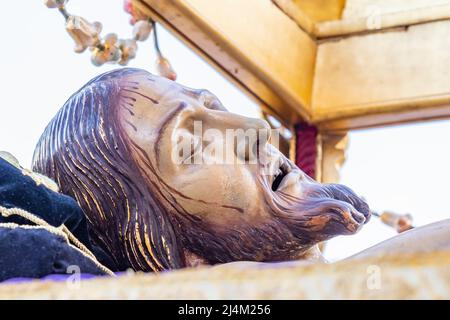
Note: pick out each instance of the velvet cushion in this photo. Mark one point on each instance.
(21, 191)
(36, 252)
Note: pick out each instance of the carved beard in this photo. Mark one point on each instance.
(294, 227)
(328, 210)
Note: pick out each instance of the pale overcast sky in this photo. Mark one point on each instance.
(405, 168)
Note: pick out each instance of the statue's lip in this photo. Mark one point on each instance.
(286, 175)
(280, 176)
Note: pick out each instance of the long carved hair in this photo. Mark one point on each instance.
(87, 152)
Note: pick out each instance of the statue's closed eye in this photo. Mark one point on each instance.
(187, 146)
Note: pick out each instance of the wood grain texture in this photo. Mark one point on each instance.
(321, 10)
(364, 8)
(387, 77)
(375, 18)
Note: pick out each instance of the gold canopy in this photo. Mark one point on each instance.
(338, 64)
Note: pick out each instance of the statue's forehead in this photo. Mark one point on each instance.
(161, 89)
(147, 101)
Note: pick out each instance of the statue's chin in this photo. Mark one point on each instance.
(291, 226)
(323, 212)
(333, 208)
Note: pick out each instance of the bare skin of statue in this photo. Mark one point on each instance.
(112, 147)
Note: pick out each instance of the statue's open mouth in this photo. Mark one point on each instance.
(332, 208)
(280, 175)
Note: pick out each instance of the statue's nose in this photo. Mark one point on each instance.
(234, 121)
(248, 133)
(256, 134)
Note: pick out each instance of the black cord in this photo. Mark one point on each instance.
(64, 13)
(155, 37)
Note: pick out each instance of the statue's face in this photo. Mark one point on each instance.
(223, 192)
(247, 185)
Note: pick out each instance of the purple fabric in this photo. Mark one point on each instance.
(52, 277)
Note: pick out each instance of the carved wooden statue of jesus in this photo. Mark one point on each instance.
(156, 197)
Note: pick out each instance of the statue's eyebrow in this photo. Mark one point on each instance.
(142, 95)
(164, 126)
(193, 93)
